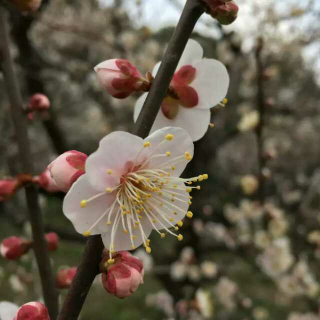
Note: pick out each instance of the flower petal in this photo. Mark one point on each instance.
(122, 241)
(155, 69)
(115, 150)
(191, 53)
(84, 218)
(180, 144)
(211, 82)
(138, 106)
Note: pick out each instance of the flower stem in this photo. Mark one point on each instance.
(19, 122)
(89, 265)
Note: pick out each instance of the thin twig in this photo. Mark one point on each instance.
(89, 265)
(19, 121)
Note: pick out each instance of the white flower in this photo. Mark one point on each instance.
(205, 303)
(8, 310)
(249, 121)
(132, 186)
(199, 84)
(209, 269)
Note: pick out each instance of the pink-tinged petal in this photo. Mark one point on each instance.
(170, 107)
(184, 76)
(127, 68)
(77, 159)
(211, 82)
(76, 176)
(122, 241)
(84, 218)
(155, 69)
(191, 53)
(188, 96)
(180, 144)
(138, 106)
(114, 151)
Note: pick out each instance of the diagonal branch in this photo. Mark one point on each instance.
(19, 122)
(89, 265)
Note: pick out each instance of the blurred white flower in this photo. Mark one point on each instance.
(226, 290)
(205, 303)
(209, 269)
(249, 184)
(249, 121)
(178, 271)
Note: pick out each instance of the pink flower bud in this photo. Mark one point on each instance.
(225, 12)
(7, 188)
(46, 182)
(67, 168)
(38, 102)
(26, 6)
(12, 248)
(52, 241)
(32, 311)
(124, 276)
(119, 77)
(65, 277)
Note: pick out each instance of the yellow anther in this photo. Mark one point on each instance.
(175, 213)
(189, 203)
(211, 125)
(109, 190)
(171, 219)
(175, 186)
(161, 174)
(154, 220)
(162, 235)
(198, 187)
(168, 153)
(190, 197)
(134, 247)
(83, 203)
(148, 179)
(180, 237)
(108, 223)
(187, 155)
(155, 189)
(180, 223)
(109, 171)
(148, 249)
(173, 168)
(111, 261)
(176, 228)
(189, 182)
(168, 174)
(137, 223)
(188, 189)
(172, 200)
(225, 101)
(200, 178)
(140, 217)
(148, 241)
(146, 144)
(87, 233)
(205, 176)
(169, 137)
(125, 231)
(161, 204)
(134, 237)
(189, 214)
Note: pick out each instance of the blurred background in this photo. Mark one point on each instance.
(252, 250)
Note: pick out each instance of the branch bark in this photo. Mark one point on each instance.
(19, 121)
(89, 265)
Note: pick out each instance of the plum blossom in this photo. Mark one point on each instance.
(197, 85)
(12, 248)
(52, 241)
(45, 181)
(65, 277)
(8, 310)
(7, 188)
(131, 187)
(32, 310)
(67, 168)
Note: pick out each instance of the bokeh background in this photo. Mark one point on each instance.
(252, 250)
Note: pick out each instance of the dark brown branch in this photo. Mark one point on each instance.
(89, 265)
(19, 121)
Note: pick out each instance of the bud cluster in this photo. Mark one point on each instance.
(225, 11)
(38, 102)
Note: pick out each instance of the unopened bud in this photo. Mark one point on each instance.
(26, 6)
(46, 182)
(119, 77)
(123, 276)
(32, 311)
(7, 188)
(65, 277)
(12, 248)
(52, 241)
(38, 102)
(225, 12)
(67, 168)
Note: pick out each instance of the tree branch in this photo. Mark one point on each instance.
(88, 268)
(19, 122)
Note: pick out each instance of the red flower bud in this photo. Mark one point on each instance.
(7, 188)
(67, 168)
(124, 276)
(46, 182)
(65, 277)
(32, 311)
(119, 77)
(12, 248)
(52, 241)
(225, 12)
(38, 102)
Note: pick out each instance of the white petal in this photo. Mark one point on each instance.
(194, 121)
(84, 218)
(8, 310)
(180, 144)
(192, 53)
(122, 241)
(138, 106)
(211, 82)
(169, 210)
(155, 69)
(107, 64)
(115, 150)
